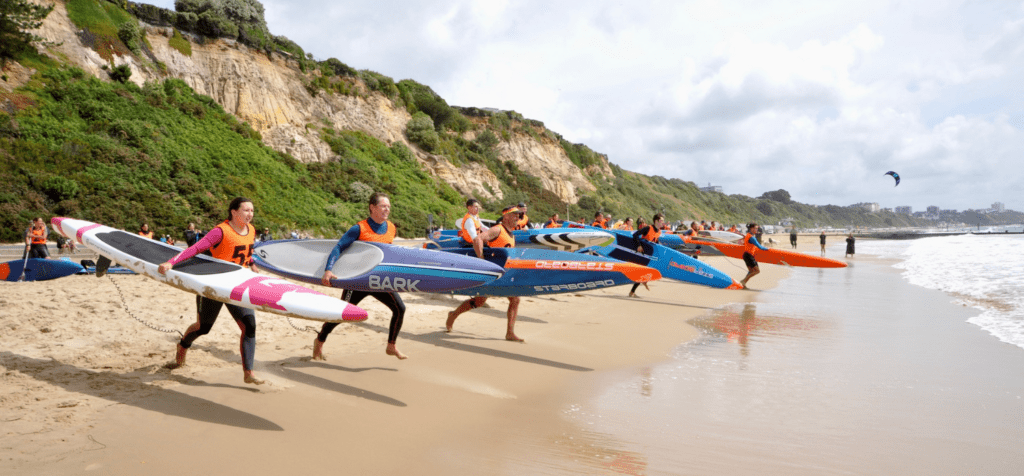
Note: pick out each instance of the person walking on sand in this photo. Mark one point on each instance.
(849, 245)
(750, 247)
(498, 236)
(792, 237)
(822, 239)
(35, 240)
(650, 234)
(376, 228)
(232, 240)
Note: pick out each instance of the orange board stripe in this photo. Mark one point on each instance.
(635, 272)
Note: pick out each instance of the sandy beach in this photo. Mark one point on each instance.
(84, 386)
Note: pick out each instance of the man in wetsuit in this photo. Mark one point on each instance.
(650, 234)
(498, 236)
(554, 222)
(376, 228)
(750, 247)
(35, 240)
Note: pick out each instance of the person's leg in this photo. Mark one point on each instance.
(246, 320)
(471, 303)
(632, 292)
(513, 311)
(206, 314)
(394, 302)
(349, 296)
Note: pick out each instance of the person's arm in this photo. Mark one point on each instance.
(28, 238)
(209, 241)
(487, 236)
(637, 236)
(753, 241)
(350, 236)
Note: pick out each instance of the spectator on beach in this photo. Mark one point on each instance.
(822, 239)
(759, 232)
(750, 247)
(35, 240)
(232, 240)
(191, 235)
(145, 232)
(649, 234)
(792, 237)
(266, 236)
(849, 245)
(497, 236)
(378, 229)
(295, 234)
(163, 239)
(628, 224)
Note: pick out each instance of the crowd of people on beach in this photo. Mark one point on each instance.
(234, 238)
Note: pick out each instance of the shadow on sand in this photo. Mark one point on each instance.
(128, 390)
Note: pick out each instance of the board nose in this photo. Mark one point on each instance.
(353, 313)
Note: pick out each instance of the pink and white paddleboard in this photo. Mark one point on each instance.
(206, 276)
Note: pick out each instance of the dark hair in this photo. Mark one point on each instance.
(657, 216)
(521, 204)
(472, 202)
(597, 214)
(751, 225)
(236, 204)
(375, 198)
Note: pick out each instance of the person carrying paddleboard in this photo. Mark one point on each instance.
(378, 229)
(554, 222)
(523, 222)
(35, 240)
(750, 247)
(498, 236)
(232, 240)
(647, 233)
(470, 225)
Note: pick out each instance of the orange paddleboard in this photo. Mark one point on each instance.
(774, 256)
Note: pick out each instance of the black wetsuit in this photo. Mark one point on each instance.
(390, 299)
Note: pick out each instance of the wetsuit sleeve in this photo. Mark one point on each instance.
(638, 234)
(754, 242)
(346, 240)
(209, 241)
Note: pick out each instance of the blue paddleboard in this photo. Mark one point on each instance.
(36, 269)
(671, 263)
(374, 267)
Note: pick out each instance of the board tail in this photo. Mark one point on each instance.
(634, 272)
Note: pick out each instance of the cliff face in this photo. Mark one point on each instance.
(269, 94)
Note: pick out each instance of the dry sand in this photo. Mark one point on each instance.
(83, 387)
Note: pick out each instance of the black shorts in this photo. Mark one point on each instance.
(39, 251)
(749, 259)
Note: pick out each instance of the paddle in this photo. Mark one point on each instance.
(23, 265)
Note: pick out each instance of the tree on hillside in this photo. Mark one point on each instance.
(779, 195)
(16, 18)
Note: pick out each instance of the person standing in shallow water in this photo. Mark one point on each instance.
(378, 229)
(232, 240)
(850, 245)
(497, 236)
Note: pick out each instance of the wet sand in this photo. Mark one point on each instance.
(83, 387)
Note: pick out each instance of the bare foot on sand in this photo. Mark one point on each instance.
(392, 350)
(450, 322)
(512, 337)
(179, 358)
(250, 378)
(318, 350)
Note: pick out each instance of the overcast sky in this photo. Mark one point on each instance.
(817, 98)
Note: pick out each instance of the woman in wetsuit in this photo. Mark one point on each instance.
(231, 240)
(378, 229)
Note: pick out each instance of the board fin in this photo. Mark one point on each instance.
(102, 264)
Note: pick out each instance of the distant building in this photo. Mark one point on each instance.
(711, 188)
(933, 210)
(887, 210)
(869, 206)
(919, 215)
(906, 210)
(999, 207)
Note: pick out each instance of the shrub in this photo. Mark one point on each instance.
(180, 43)
(340, 69)
(121, 73)
(131, 35)
(420, 130)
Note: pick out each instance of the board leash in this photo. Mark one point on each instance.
(124, 303)
(307, 328)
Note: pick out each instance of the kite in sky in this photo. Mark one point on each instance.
(895, 176)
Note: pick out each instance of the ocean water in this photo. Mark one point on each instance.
(985, 272)
(869, 369)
